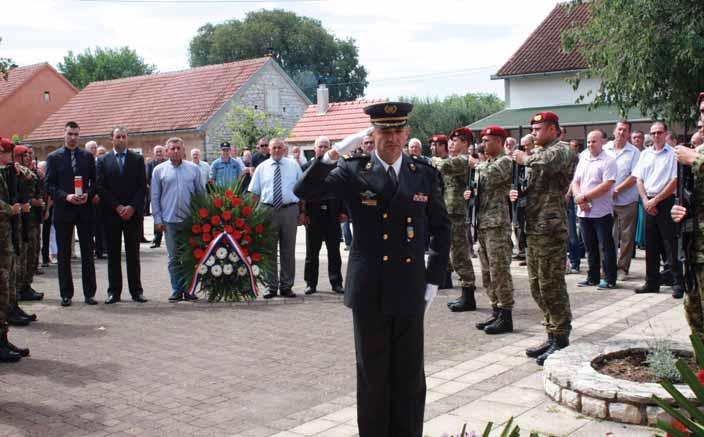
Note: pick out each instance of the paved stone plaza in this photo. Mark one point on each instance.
(286, 367)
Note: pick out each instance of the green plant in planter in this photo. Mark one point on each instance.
(662, 362)
(688, 420)
(509, 430)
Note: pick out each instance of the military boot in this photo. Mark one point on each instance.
(503, 323)
(494, 314)
(559, 342)
(21, 312)
(466, 302)
(447, 282)
(23, 352)
(7, 355)
(28, 293)
(536, 351)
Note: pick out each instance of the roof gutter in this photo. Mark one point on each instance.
(539, 74)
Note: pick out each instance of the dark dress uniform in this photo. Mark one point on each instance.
(386, 280)
(324, 226)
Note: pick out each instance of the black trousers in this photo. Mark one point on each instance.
(314, 241)
(660, 238)
(601, 249)
(98, 231)
(46, 237)
(520, 229)
(64, 232)
(115, 228)
(390, 374)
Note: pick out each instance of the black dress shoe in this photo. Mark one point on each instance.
(187, 296)
(270, 294)
(154, 246)
(144, 240)
(112, 299)
(21, 312)
(175, 297)
(647, 289)
(14, 319)
(287, 293)
(310, 289)
(139, 298)
(65, 301)
(338, 289)
(22, 351)
(90, 301)
(28, 293)
(677, 292)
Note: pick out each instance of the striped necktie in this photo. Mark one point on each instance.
(74, 164)
(278, 196)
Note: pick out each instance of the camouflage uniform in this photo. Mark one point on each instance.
(7, 253)
(693, 301)
(546, 231)
(29, 250)
(494, 229)
(454, 173)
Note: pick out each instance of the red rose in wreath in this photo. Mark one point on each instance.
(206, 238)
(227, 215)
(245, 252)
(256, 257)
(239, 223)
(229, 194)
(217, 202)
(198, 254)
(229, 229)
(700, 376)
(236, 201)
(216, 233)
(247, 229)
(215, 220)
(196, 229)
(259, 228)
(205, 228)
(192, 242)
(236, 235)
(203, 213)
(246, 211)
(248, 239)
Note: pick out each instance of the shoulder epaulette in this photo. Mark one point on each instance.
(361, 156)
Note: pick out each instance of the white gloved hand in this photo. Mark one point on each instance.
(431, 290)
(352, 142)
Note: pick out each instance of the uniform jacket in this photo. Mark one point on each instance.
(59, 184)
(495, 177)
(324, 215)
(551, 169)
(386, 267)
(126, 189)
(454, 173)
(698, 201)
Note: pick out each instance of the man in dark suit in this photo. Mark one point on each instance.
(395, 203)
(262, 153)
(323, 225)
(121, 185)
(71, 209)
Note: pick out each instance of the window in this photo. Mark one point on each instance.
(46, 97)
(273, 101)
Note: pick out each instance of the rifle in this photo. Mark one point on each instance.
(685, 229)
(518, 184)
(23, 196)
(473, 202)
(12, 191)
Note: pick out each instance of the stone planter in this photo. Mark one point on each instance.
(570, 379)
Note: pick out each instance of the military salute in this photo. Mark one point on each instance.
(494, 224)
(550, 167)
(395, 203)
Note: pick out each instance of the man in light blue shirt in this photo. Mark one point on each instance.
(174, 183)
(224, 171)
(273, 183)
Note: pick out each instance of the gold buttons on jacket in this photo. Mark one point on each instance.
(409, 220)
(385, 216)
(385, 236)
(386, 258)
(408, 260)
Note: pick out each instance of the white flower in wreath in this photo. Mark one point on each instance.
(216, 270)
(221, 253)
(202, 269)
(233, 257)
(255, 270)
(210, 261)
(227, 269)
(242, 270)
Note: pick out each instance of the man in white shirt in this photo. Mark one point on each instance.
(202, 165)
(656, 173)
(625, 195)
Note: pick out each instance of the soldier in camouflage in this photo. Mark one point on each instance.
(29, 249)
(550, 167)
(455, 171)
(8, 209)
(438, 150)
(494, 224)
(693, 298)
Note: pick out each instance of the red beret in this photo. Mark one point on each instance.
(700, 98)
(545, 117)
(463, 132)
(20, 150)
(6, 145)
(495, 130)
(440, 138)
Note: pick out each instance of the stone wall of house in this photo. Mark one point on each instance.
(270, 92)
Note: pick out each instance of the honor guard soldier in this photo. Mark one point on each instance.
(550, 167)
(438, 146)
(494, 228)
(455, 174)
(694, 295)
(395, 202)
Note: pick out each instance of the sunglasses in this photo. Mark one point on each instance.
(120, 137)
(657, 132)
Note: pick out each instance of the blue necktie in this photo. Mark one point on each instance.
(121, 161)
(278, 196)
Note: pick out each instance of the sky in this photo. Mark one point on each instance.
(433, 48)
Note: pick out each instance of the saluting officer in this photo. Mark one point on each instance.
(395, 203)
(494, 229)
(550, 167)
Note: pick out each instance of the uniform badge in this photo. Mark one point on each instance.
(368, 198)
(369, 165)
(410, 232)
(412, 166)
(390, 109)
(420, 197)
(538, 117)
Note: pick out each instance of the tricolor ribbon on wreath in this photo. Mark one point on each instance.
(212, 247)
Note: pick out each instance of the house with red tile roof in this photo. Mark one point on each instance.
(333, 120)
(191, 104)
(536, 78)
(29, 95)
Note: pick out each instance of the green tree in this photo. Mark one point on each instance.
(648, 53)
(248, 125)
(5, 65)
(433, 116)
(104, 64)
(305, 50)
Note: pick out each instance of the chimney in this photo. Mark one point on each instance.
(323, 98)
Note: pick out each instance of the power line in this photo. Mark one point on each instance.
(418, 76)
(200, 1)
